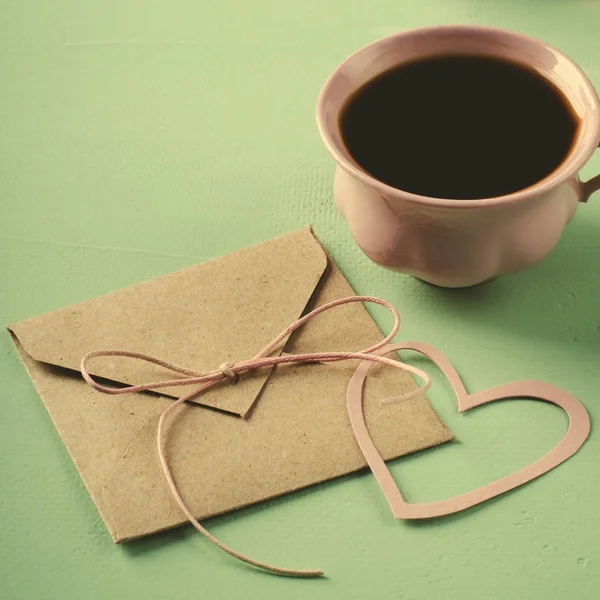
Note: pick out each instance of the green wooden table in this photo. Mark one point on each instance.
(139, 137)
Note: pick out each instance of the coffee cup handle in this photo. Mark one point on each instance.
(589, 187)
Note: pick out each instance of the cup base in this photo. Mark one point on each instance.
(454, 286)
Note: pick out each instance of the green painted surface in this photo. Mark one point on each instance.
(140, 137)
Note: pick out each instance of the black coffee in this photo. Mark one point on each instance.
(459, 127)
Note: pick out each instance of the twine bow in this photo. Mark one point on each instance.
(263, 359)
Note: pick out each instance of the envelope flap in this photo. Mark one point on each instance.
(225, 309)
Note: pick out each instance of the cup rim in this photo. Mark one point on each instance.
(585, 146)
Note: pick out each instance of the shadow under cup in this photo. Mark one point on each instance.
(457, 150)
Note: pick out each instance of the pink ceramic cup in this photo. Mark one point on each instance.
(458, 243)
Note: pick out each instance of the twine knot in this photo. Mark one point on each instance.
(227, 369)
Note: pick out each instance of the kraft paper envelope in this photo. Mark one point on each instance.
(295, 431)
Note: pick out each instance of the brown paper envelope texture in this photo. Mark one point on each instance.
(295, 431)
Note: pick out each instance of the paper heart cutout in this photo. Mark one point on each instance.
(577, 433)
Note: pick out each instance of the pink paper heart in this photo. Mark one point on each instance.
(579, 428)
